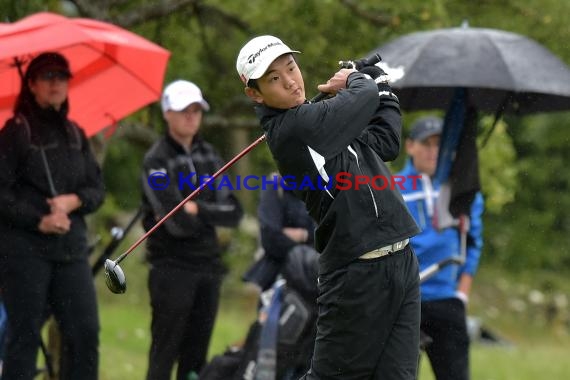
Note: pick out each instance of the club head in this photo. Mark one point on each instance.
(114, 277)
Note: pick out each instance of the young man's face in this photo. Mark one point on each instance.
(281, 86)
(186, 123)
(424, 154)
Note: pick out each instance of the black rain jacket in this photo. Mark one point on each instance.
(24, 186)
(187, 240)
(352, 133)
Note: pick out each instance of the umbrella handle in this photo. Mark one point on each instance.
(498, 115)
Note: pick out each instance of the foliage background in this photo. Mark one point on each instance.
(522, 167)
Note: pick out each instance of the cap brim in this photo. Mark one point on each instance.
(268, 60)
(182, 106)
(52, 67)
(424, 135)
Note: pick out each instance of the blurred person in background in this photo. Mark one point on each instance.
(283, 224)
(50, 181)
(184, 254)
(444, 296)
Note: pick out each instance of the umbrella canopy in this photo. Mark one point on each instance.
(500, 70)
(115, 72)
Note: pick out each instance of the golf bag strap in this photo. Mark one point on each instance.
(267, 354)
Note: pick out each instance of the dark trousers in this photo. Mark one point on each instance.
(32, 285)
(369, 320)
(184, 306)
(444, 321)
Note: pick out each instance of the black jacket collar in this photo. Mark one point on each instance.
(196, 142)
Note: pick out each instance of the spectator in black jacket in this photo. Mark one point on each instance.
(184, 254)
(50, 181)
(369, 314)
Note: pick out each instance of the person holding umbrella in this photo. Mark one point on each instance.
(186, 268)
(50, 181)
(444, 296)
(368, 303)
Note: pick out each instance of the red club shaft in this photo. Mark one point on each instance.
(191, 196)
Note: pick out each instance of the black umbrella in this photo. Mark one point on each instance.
(464, 70)
(503, 71)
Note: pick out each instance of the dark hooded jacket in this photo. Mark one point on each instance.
(25, 186)
(352, 134)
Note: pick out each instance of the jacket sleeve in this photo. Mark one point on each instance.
(271, 222)
(15, 210)
(331, 125)
(383, 134)
(474, 237)
(92, 190)
(226, 212)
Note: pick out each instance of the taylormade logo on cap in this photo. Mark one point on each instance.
(251, 58)
(257, 55)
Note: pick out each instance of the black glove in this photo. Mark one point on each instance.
(381, 79)
(375, 73)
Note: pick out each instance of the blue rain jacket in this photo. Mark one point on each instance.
(432, 246)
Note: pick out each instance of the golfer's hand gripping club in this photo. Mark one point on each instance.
(356, 64)
(360, 63)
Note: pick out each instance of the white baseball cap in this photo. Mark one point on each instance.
(255, 57)
(180, 94)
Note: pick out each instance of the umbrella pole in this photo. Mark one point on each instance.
(498, 116)
(18, 63)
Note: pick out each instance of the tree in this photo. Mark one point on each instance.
(204, 37)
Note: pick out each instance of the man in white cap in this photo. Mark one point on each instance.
(184, 255)
(369, 312)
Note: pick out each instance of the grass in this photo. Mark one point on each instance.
(518, 308)
(522, 362)
(125, 322)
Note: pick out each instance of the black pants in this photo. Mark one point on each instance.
(369, 320)
(184, 306)
(444, 321)
(30, 286)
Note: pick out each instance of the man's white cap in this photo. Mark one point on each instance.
(255, 57)
(180, 94)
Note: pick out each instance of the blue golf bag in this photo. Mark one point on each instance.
(279, 343)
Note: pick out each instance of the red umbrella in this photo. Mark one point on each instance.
(115, 72)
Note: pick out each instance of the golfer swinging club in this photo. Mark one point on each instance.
(369, 311)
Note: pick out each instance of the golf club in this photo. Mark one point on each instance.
(356, 64)
(118, 235)
(114, 275)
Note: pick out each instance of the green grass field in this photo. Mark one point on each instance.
(536, 349)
